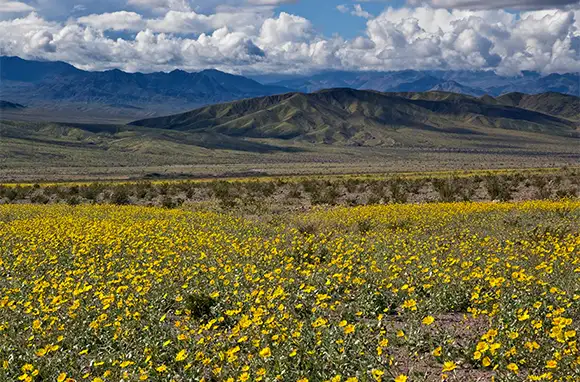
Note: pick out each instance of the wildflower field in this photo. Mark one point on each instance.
(455, 291)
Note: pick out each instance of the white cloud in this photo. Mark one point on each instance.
(499, 4)
(286, 28)
(117, 21)
(357, 10)
(253, 40)
(360, 12)
(8, 6)
(460, 39)
(195, 23)
(161, 6)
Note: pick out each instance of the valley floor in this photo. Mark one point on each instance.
(48, 151)
(332, 162)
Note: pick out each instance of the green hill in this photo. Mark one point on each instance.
(561, 105)
(361, 118)
(337, 128)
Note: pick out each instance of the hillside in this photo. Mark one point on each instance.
(360, 118)
(562, 105)
(5, 105)
(341, 130)
(456, 87)
(57, 91)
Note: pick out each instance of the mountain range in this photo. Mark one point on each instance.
(352, 117)
(466, 82)
(56, 88)
(394, 130)
(43, 84)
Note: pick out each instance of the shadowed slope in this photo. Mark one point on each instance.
(558, 104)
(357, 117)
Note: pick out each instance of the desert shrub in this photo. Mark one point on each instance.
(39, 198)
(399, 193)
(328, 196)
(498, 188)
(73, 200)
(120, 196)
(352, 201)
(265, 189)
(200, 305)
(10, 193)
(565, 193)
(364, 226)
(351, 185)
(90, 192)
(223, 191)
(377, 188)
(72, 190)
(220, 189)
(162, 188)
(142, 189)
(308, 227)
(294, 192)
(414, 186)
(542, 185)
(190, 191)
(310, 186)
(169, 202)
(375, 199)
(448, 189)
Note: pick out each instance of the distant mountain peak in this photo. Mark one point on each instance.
(58, 84)
(43, 83)
(474, 83)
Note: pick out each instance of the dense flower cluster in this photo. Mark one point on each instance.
(398, 292)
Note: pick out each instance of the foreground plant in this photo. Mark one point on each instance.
(461, 291)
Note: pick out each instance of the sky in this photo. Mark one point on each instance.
(257, 37)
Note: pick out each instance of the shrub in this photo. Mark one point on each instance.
(328, 196)
(200, 305)
(168, 202)
(448, 189)
(39, 198)
(498, 188)
(398, 190)
(120, 196)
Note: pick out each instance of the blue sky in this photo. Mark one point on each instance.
(328, 20)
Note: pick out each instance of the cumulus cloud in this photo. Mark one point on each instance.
(7, 6)
(460, 39)
(248, 40)
(117, 21)
(286, 28)
(161, 6)
(195, 23)
(500, 4)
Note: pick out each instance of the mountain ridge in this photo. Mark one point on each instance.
(359, 117)
(469, 82)
(58, 88)
(39, 83)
